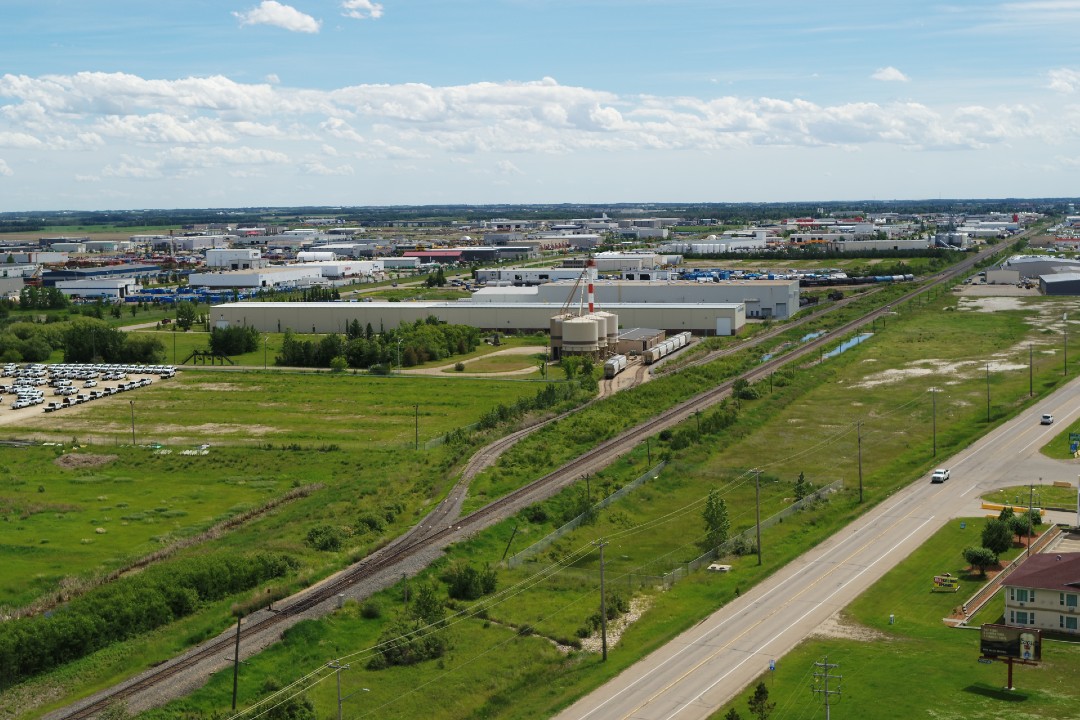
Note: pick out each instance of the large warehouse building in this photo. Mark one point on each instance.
(777, 299)
(334, 317)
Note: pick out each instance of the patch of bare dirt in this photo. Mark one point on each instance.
(835, 627)
(83, 460)
(224, 387)
(213, 429)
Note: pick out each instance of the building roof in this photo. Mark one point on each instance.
(1063, 277)
(1048, 571)
(433, 253)
(639, 334)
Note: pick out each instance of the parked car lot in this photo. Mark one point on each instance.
(31, 381)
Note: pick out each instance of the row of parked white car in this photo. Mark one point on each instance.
(28, 380)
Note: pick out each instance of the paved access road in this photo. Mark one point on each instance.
(698, 672)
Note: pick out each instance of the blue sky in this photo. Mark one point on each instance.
(192, 103)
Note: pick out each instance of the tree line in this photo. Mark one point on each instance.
(128, 607)
(363, 348)
(82, 339)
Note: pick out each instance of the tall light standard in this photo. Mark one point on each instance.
(132, 404)
(399, 354)
(265, 338)
(987, 392)
(1065, 323)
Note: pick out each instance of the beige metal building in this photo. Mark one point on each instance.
(699, 318)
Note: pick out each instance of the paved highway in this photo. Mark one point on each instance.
(698, 672)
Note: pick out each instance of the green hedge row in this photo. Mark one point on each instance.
(127, 607)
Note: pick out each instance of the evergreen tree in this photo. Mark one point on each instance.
(717, 523)
(760, 707)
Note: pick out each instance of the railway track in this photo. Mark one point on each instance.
(440, 528)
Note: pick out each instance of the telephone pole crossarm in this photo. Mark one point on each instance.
(822, 678)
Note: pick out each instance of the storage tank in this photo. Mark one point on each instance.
(608, 328)
(557, 335)
(613, 331)
(601, 331)
(580, 335)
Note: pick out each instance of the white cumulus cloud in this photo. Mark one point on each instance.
(5, 169)
(1064, 80)
(889, 74)
(361, 9)
(286, 17)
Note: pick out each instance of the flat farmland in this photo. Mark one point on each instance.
(93, 503)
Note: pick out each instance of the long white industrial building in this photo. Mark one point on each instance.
(777, 299)
(334, 317)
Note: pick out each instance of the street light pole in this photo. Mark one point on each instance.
(1065, 323)
(416, 441)
(399, 354)
(265, 338)
(987, 392)
(132, 404)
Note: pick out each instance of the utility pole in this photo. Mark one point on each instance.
(757, 510)
(987, 392)
(933, 395)
(1031, 371)
(1065, 322)
(338, 667)
(858, 430)
(648, 449)
(822, 678)
(236, 660)
(508, 542)
(132, 404)
(416, 432)
(603, 603)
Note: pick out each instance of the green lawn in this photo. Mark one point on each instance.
(264, 442)
(878, 659)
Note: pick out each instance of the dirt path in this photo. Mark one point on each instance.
(441, 369)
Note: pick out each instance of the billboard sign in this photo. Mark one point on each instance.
(1005, 641)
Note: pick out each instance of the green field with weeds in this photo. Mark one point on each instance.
(877, 659)
(806, 423)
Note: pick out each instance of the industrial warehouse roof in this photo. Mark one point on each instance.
(1065, 277)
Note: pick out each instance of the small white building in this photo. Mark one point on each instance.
(108, 288)
(285, 277)
(234, 259)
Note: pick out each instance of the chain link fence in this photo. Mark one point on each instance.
(542, 544)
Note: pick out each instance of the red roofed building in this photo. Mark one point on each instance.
(1044, 593)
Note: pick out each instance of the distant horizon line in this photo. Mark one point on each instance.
(621, 205)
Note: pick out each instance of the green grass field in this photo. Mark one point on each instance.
(878, 661)
(264, 443)
(806, 424)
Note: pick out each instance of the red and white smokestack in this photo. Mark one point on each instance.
(589, 266)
